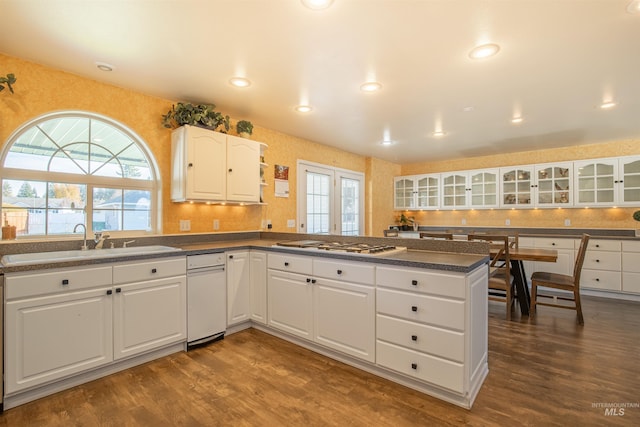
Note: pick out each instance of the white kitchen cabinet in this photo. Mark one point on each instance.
(553, 185)
(57, 323)
(150, 305)
(454, 190)
(258, 269)
(517, 188)
(417, 192)
(344, 307)
(212, 166)
(290, 303)
(477, 189)
(238, 287)
(566, 248)
(149, 315)
(631, 266)
(608, 182)
(602, 265)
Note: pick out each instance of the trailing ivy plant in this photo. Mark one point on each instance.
(244, 126)
(196, 115)
(9, 81)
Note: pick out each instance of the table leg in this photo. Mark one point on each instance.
(520, 280)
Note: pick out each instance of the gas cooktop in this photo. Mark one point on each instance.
(357, 248)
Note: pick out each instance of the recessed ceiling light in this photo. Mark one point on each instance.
(370, 87)
(103, 66)
(516, 120)
(240, 82)
(468, 109)
(634, 7)
(607, 105)
(387, 142)
(317, 4)
(303, 108)
(484, 51)
(439, 133)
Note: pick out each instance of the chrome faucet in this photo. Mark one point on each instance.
(84, 242)
(124, 245)
(100, 238)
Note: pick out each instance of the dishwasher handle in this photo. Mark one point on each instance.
(206, 269)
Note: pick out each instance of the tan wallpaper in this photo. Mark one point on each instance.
(40, 89)
(578, 217)
(379, 190)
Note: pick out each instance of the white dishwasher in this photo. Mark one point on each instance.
(206, 298)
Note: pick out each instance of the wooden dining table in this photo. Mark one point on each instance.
(517, 256)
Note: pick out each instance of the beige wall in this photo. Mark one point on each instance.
(40, 90)
(579, 217)
(379, 188)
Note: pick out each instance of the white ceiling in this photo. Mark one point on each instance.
(559, 60)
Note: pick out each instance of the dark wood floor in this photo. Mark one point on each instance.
(543, 374)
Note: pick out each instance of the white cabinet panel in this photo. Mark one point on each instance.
(601, 279)
(243, 170)
(20, 285)
(418, 280)
(290, 303)
(52, 337)
(291, 263)
(238, 287)
(354, 272)
(149, 270)
(631, 282)
(258, 269)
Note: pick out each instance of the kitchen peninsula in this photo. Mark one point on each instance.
(418, 318)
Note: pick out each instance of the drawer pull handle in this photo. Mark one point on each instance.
(414, 308)
(597, 279)
(230, 256)
(154, 270)
(414, 282)
(118, 290)
(597, 246)
(339, 271)
(286, 264)
(313, 280)
(414, 366)
(553, 244)
(109, 292)
(308, 280)
(414, 338)
(65, 281)
(597, 260)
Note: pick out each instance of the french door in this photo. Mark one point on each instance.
(330, 200)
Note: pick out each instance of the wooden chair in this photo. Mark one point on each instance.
(501, 285)
(390, 233)
(436, 235)
(562, 282)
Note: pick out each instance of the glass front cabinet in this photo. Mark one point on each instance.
(553, 186)
(477, 189)
(417, 192)
(608, 182)
(517, 187)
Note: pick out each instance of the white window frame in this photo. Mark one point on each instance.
(335, 209)
(154, 185)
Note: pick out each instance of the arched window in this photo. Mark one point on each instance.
(72, 167)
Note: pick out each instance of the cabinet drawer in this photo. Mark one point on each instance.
(413, 279)
(27, 284)
(293, 263)
(422, 338)
(602, 245)
(600, 279)
(600, 260)
(420, 366)
(149, 270)
(554, 243)
(631, 246)
(631, 262)
(631, 282)
(345, 271)
(421, 308)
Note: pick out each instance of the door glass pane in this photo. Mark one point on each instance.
(350, 207)
(318, 201)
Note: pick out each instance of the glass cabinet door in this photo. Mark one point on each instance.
(404, 195)
(454, 190)
(553, 185)
(630, 180)
(484, 188)
(596, 182)
(428, 187)
(516, 186)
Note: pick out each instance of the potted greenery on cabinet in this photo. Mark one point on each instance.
(244, 128)
(203, 115)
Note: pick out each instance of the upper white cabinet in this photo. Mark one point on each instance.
(517, 182)
(608, 182)
(470, 189)
(553, 185)
(454, 190)
(417, 192)
(212, 166)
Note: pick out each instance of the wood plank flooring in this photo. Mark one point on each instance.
(546, 373)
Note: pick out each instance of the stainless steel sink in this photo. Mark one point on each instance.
(74, 255)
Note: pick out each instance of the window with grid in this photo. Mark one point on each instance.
(67, 168)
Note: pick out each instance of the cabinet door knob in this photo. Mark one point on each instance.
(339, 271)
(414, 338)
(109, 292)
(286, 264)
(414, 282)
(308, 280)
(414, 308)
(553, 244)
(597, 279)
(414, 366)
(597, 260)
(313, 280)
(154, 270)
(597, 246)
(230, 256)
(65, 281)
(118, 290)
(230, 170)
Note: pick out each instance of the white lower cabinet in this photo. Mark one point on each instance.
(290, 303)
(602, 265)
(238, 287)
(631, 266)
(258, 261)
(63, 322)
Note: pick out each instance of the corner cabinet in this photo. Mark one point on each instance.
(210, 166)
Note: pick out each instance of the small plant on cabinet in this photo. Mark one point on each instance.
(9, 80)
(203, 115)
(244, 127)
